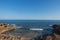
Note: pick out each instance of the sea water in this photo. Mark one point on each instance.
(28, 24)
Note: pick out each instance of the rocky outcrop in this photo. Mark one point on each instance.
(7, 36)
(6, 28)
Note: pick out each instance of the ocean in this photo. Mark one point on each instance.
(43, 24)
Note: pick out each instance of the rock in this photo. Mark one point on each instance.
(6, 28)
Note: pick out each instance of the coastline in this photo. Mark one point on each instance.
(4, 28)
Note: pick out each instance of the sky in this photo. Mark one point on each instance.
(30, 9)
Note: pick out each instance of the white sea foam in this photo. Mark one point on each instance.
(50, 25)
(19, 27)
(36, 29)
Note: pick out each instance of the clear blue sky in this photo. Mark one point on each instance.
(30, 9)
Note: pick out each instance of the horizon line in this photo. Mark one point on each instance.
(29, 19)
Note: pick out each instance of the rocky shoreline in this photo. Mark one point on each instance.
(7, 36)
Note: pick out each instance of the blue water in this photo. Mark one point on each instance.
(32, 24)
